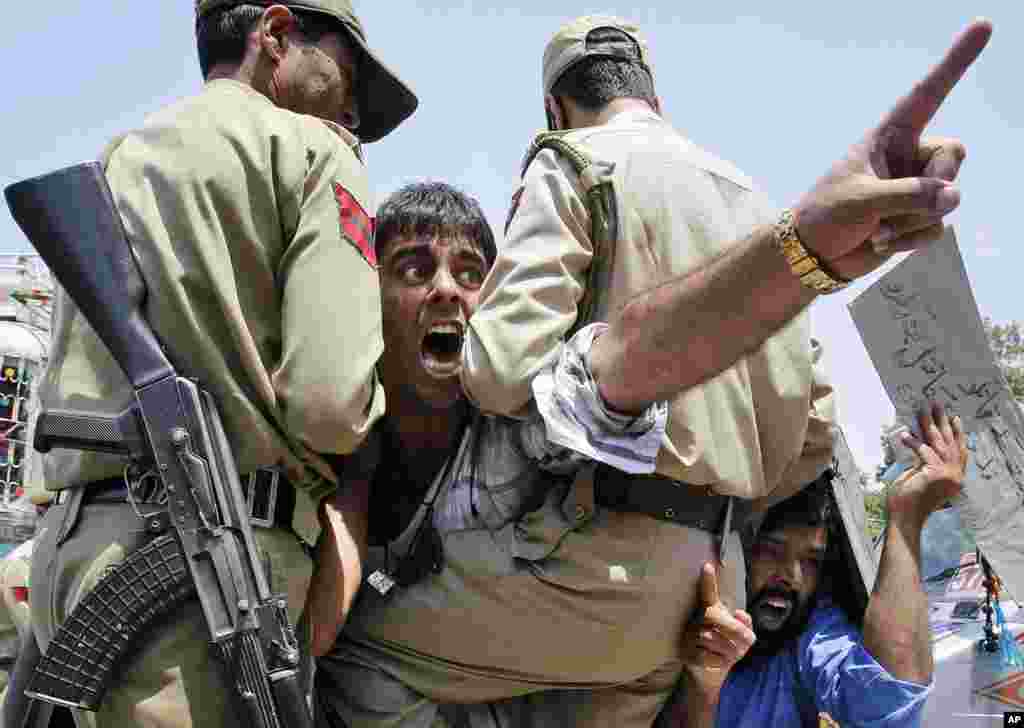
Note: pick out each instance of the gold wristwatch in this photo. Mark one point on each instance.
(805, 265)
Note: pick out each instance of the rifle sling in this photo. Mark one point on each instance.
(595, 177)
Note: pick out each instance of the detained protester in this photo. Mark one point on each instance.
(444, 505)
(814, 656)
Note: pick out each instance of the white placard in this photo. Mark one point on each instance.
(921, 327)
(922, 330)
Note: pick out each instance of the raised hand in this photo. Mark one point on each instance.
(942, 458)
(892, 189)
(716, 639)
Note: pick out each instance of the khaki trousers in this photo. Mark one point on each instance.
(172, 681)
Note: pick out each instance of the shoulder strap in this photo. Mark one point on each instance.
(599, 194)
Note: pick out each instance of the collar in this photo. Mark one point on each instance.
(350, 139)
(634, 116)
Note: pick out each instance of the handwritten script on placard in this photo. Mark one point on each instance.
(921, 327)
(922, 330)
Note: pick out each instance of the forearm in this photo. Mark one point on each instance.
(339, 569)
(691, 328)
(896, 631)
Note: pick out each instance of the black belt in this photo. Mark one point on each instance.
(667, 500)
(271, 498)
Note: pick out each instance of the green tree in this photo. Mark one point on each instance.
(874, 505)
(1007, 341)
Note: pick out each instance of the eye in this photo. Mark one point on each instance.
(812, 564)
(767, 551)
(471, 277)
(413, 273)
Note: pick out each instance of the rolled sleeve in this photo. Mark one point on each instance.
(575, 418)
(849, 684)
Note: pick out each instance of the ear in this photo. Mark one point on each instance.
(274, 25)
(657, 105)
(553, 109)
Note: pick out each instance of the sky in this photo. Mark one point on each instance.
(780, 89)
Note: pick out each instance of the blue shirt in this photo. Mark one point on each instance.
(826, 670)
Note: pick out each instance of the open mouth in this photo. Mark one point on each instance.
(773, 610)
(441, 351)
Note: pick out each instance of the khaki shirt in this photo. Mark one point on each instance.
(233, 207)
(761, 427)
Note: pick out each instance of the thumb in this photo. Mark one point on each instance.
(926, 196)
(709, 585)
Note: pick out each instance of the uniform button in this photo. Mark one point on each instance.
(581, 513)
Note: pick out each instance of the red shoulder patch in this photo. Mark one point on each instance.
(516, 198)
(356, 225)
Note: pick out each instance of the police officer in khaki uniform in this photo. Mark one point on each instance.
(761, 426)
(246, 206)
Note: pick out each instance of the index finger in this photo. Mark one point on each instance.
(917, 108)
(708, 585)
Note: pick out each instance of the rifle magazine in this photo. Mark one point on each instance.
(80, 661)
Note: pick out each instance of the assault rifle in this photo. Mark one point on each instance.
(204, 544)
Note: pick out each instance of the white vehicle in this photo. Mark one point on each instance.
(974, 685)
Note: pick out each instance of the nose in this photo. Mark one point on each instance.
(789, 574)
(445, 288)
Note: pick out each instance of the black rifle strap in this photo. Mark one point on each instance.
(72, 510)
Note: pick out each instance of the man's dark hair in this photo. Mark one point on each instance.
(432, 209)
(221, 34)
(595, 81)
(815, 505)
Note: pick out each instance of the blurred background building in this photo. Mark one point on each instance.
(26, 294)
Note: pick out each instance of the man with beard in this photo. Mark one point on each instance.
(810, 659)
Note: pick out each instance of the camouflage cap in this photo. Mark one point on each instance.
(385, 101)
(574, 41)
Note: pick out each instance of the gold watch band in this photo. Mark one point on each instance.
(805, 265)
